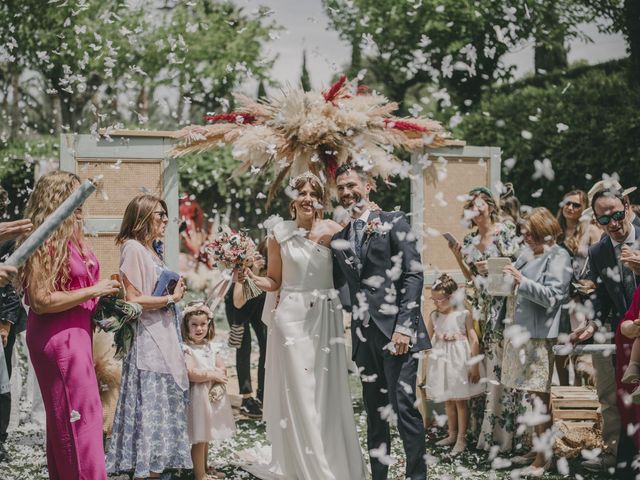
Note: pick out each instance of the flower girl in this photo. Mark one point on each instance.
(450, 377)
(209, 417)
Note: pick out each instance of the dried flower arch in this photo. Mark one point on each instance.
(300, 131)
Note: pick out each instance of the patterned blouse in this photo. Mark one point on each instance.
(486, 309)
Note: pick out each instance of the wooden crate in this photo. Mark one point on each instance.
(575, 404)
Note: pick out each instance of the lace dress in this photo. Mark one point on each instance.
(447, 375)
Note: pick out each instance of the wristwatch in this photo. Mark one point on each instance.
(170, 300)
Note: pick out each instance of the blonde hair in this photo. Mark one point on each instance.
(136, 222)
(318, 189)
(573, 242)
(483, 193)
(542, 225)
(48, 268)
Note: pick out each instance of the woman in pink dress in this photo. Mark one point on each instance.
(62, 289)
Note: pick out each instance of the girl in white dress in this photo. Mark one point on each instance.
(452, 373)
(307, 403)
(209, 416)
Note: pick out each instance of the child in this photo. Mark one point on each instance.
(450, 379)
(209, 416)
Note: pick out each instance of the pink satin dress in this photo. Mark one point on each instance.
(60, 350)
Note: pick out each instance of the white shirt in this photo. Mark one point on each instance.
(630, 240)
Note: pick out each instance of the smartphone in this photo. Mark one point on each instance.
(450, 238)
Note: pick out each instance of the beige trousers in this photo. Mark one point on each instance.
(606, 388)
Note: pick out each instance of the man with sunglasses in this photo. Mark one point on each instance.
(614, 286)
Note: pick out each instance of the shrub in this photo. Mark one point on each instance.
(599, 107)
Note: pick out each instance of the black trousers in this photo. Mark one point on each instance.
(243, 356)
(5, 398)
(388, 380)
(627, 452)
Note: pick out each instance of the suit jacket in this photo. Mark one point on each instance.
(609, 300)
(540, 297)
(390, 279)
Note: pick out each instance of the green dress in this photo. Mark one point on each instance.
(494, 416)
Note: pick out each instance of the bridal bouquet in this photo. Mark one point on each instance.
(234, 251)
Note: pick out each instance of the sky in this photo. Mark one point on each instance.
(306, 26)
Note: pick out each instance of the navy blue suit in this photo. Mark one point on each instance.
(392, 291)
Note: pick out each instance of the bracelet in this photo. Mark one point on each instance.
(170, 300)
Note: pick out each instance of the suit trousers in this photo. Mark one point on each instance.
(606, 388)
(390, 381)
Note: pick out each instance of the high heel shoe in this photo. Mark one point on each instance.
(536, 472)
(445, 442)
(522, 460)
(459, 447)
(632, 373)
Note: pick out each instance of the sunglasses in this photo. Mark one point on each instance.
(573, 205)
(162, 214)
(617, 216)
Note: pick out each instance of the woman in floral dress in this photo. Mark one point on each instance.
(150, 426)
(496, 414)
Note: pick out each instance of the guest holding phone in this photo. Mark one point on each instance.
(496, 415)
(150, 427)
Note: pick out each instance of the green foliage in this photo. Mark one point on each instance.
(70, 65)
(239, 199)
(18, 160)
(305, 81)
(600, 108)
(456, 44)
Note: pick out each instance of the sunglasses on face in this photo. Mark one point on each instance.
(573, 205)
(617, 216)
(161, 214)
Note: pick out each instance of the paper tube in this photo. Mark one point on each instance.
(53, 221)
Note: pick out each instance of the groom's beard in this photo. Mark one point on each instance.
(355, 208)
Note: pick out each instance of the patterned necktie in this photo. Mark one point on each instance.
(358, 226)
(628, 277)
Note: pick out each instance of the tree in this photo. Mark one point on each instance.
(80, 64)
(305, 81)
(455, 44)
(560, 118)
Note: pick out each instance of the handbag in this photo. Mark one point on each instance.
(217, 392)
(166, 283)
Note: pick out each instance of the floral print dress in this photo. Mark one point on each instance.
(494, 417)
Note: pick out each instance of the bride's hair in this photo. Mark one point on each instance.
(298, 183)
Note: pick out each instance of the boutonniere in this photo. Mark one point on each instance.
(373, 227)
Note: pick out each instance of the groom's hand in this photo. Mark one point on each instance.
(401, 342)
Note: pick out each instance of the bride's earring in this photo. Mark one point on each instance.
(292, 211)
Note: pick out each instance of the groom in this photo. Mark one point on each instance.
(375, 255)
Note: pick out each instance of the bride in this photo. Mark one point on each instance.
(307, 403)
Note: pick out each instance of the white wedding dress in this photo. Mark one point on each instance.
(307, 403)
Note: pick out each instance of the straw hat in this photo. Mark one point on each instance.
(608, 184)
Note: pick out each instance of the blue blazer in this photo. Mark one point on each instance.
(404, 314)
(610, 302)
